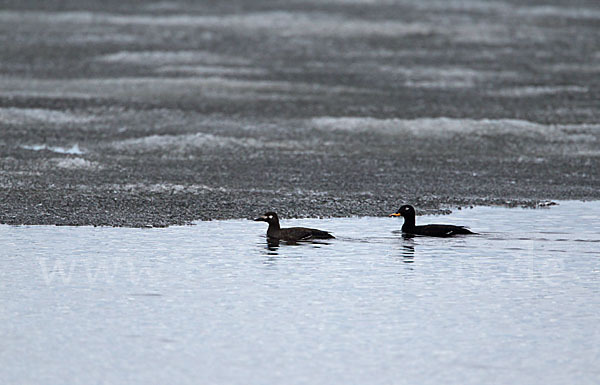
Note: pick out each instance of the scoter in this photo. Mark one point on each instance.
(292, 234)
(409, 227)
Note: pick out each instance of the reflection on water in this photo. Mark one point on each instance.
(408, 248)
(272, 245)
(217, 303)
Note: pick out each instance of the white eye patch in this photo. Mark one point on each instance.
(270, 217)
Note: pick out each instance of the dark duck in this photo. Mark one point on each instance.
(291, 234)
(409, 227)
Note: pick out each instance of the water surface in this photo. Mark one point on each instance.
(211, 303)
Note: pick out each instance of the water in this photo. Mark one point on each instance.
(211, 303)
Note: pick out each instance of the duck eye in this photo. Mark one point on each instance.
(270, 217)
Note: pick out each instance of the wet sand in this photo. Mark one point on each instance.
(122, 114)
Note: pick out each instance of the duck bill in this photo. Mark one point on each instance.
(395, 215)
(262, 218)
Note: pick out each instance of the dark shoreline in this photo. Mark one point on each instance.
(118, 114)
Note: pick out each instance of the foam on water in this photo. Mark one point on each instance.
(75, 163)
(44, 17)
(104, 37)
(537, 91)
(492, 7)
(185, 143)
(443, 126)
(163, 187)
(15, 115)
(148, 88)
(210, 70)
(212, 303)
(74, 150)
(561, 12)
(446, 77)
(437, 5)
(287, 23)
(463, 5)
(171, 57)
(573, 67)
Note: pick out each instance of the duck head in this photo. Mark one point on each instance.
(269, 217)
(406, 211)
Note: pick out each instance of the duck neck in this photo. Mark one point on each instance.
(409, 223)
(273, 229)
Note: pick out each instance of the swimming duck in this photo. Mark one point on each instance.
(408, 212)
(292, 234)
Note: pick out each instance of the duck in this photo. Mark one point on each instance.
(291, 234)
(409, 227)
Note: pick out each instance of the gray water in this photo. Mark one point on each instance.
(212, 304)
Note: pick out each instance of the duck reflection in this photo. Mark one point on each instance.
(408, 248)
(272, 246)
(271, 253)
